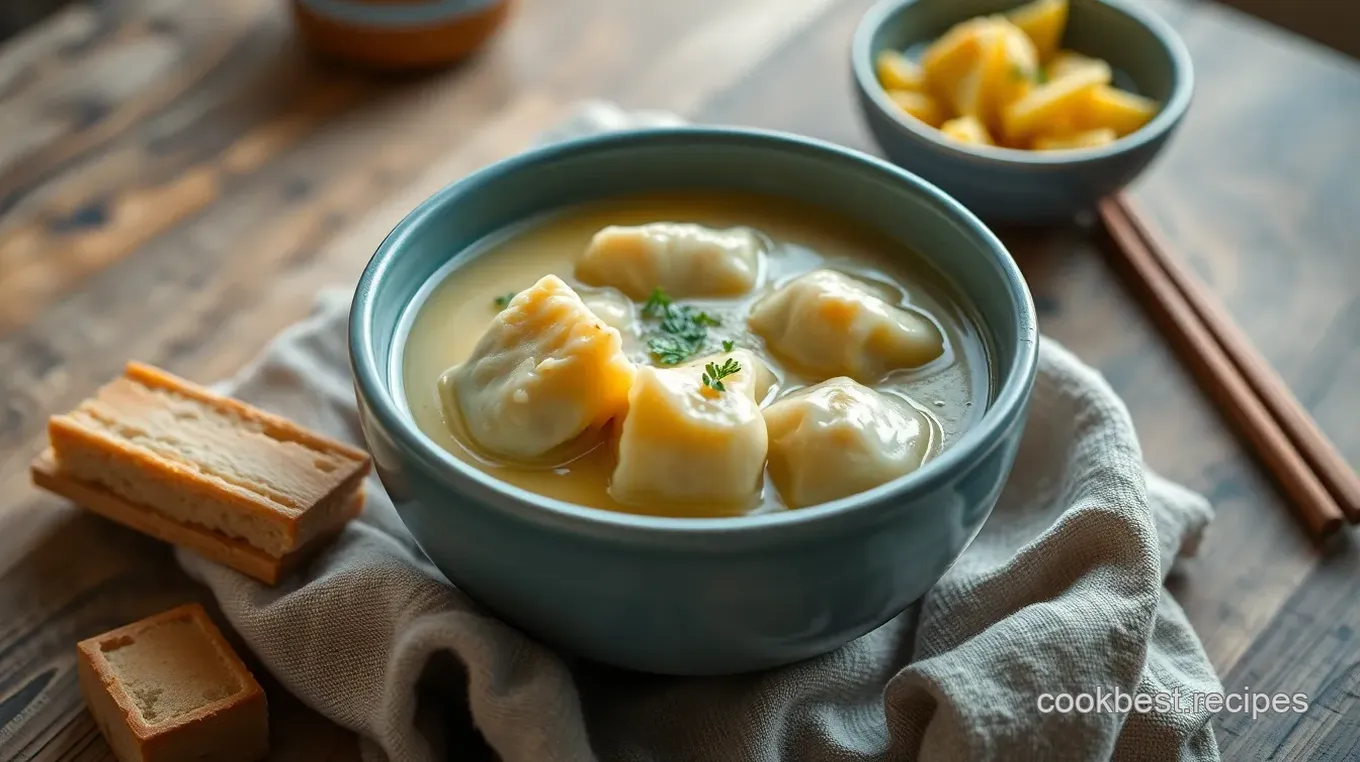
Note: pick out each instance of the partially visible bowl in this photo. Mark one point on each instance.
(398, 35)
(1006, 185)
(692, 596)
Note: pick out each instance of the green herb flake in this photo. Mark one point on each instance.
(1040, 76)
(679, 322)
(715, 373)
(658, 304)
(728, 344)
(680, 330)
(503, 300)
(669, 350)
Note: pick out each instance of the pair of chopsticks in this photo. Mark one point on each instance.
(1320, 485)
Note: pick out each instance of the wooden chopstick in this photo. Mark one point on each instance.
(1322, 456)
(1141, 260)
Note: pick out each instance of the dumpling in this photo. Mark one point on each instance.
(682, 259)
(833, 325)
(546, 371)
(684, 441)
(840, 438)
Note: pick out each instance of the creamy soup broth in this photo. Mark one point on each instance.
(452, 316)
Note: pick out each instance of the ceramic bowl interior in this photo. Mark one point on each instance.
(941, 218)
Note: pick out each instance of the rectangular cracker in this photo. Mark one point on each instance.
(200, 458)
(214, 546)
(170, 688)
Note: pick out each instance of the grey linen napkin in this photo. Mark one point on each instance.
(1061, 593)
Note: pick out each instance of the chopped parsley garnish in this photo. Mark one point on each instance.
(680, 332)
(715, 373)
(728, 344)
(658, 304)
(669, 350)
(1040, 76)
(503, 300)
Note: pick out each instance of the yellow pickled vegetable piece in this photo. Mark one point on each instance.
(981, 66)
(1010, 68)
(1049, 107)
(1064, 64)
(1088, 139)
(919, 105)
(967, 129)
(1004, 79)
(954, 56)
(1119, 110)
(1068, 61)
(965, 96)
(1043, 21)
(897, 72)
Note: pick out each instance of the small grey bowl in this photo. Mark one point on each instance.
(1011, 186)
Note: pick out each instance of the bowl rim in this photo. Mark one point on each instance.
(1009, 404)
(1183, 77)
(395, 16)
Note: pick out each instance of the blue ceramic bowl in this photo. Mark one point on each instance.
(1005, 185)
(691, 596)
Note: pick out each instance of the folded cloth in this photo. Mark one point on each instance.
(1059, 596)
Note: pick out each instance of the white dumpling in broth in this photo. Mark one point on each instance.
(683, 441)
(682, 259)
(546, 371)
(840, 438)
(831, 324)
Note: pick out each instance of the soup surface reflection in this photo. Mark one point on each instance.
(812, 398)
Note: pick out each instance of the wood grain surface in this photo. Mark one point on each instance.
(177, 179)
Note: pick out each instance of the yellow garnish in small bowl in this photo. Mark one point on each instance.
(1004, 80)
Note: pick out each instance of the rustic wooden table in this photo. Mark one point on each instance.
(176, 180)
